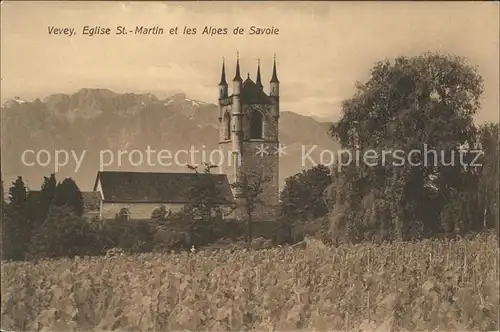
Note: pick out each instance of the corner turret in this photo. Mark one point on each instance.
(258, 81)
(237, 77)
(274, 90)
(223, 87)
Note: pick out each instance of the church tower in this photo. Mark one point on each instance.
(249, 139)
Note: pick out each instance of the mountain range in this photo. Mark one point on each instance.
(97, 120)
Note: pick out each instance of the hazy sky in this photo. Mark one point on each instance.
(322, 48)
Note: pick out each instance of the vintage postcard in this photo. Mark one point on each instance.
(236, 166)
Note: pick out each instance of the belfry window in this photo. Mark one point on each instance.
(256, 124)
(227, 124)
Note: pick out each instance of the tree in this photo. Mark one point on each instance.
(303, 201)
(249, 190)
(67, 193)
(413, 104)
(302, 197)
(488, 173)
(64, 234)
(2, 202)
(16, 227)
(38, 202)
(32, 209)
(47, 194)
(205, 195)
(2, 216)
(18, 194)
(206, 198)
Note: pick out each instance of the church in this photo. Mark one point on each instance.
(248, 120)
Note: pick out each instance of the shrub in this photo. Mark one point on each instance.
(64, 234)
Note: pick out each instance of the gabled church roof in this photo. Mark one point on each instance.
(146, 187)
(251, 93)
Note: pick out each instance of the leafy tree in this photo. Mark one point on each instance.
(2, 214)
(413, 104)
(206, 198)
(2, 218)
(461, 213)
(2, 202)
(249, 198)
(303, 201)
(302, 197)
(488, 173)
(67, 193)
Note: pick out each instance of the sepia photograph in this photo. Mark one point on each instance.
(249, 166)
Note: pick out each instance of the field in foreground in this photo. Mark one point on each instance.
(430, 285)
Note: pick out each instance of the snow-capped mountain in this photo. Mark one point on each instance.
(95, 120)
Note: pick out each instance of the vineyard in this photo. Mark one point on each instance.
(429, 285)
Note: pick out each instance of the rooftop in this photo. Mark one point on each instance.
(148, 187)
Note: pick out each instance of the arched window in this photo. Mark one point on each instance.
(227, 123)
(256, 124)
(124, 214)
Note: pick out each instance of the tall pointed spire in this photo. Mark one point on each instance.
(258, 80)
(274, 79)
(223, 74)
(237, 76)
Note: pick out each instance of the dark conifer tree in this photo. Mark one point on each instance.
(68, 194)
